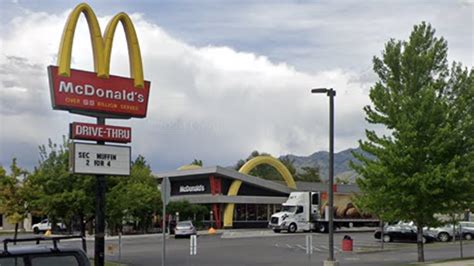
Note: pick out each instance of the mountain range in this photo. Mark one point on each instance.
(321, 159)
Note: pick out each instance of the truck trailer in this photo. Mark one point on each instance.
(307, 211)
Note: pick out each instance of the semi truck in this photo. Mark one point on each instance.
(307, 211)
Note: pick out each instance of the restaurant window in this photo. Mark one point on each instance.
(239, 212)
(251, 212)
(262, 212)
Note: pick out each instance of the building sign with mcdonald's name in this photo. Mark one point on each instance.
(99, 93)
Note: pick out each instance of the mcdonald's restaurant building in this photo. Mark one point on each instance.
(252, 206)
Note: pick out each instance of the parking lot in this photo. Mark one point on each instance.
(263, 247)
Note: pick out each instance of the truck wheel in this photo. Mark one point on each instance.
(468, 236)
(322, 228)
(292, 228)
(387, 238)
(443, 237)
(36, 230)
(277, 230)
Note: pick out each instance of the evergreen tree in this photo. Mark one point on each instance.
(424, 165)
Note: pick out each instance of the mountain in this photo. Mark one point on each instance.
(321, 159)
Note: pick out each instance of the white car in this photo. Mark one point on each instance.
(184, 228)
(45, 225)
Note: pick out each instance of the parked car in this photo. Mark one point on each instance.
(36, 255)
(184, 228)
(403, 232)
(467, 230)
(447, 232)
(45, 225)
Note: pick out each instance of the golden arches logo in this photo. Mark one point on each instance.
(101, 45)
(245, 169)
(189, 167)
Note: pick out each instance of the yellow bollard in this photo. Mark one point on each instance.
(47, 233)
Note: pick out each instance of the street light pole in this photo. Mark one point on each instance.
(331, 94)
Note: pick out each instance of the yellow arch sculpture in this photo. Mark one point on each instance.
(101, 46)
(189, 167)
(245, 169)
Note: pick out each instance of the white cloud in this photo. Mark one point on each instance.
(212, 102)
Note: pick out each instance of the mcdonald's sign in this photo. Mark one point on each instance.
(99, 93)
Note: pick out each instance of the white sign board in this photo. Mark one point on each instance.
(97, 159)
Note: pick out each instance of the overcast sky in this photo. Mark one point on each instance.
(227, 77)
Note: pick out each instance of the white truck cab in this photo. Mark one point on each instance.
(297, 213)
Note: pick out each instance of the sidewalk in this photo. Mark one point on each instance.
(453, 263)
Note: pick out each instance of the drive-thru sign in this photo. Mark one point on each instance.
(86, 131)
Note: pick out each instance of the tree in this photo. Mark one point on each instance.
(263, 171)
(57, 193)
(425, 165)
(309, 174)
(197, 162)
(135, 198)
(13, 202)
(343, 180)
(187, 211)
(306, 173)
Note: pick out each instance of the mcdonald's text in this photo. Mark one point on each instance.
(85, 93)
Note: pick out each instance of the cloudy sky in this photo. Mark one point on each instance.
(227, 77)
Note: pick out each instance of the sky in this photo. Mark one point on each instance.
(227, 77)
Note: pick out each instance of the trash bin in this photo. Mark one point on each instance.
(347, 243)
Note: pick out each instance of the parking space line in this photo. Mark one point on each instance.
(302, 247)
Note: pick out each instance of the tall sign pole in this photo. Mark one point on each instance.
(100, 95)
(99, 240)
(165, 195)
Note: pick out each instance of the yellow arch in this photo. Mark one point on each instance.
(245, 169)
(134, 54)
(189, 167)
(101, 46)
(65, 48)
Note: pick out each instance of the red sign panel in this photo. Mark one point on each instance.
(85, 93)
(86, 131)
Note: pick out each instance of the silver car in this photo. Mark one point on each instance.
(447, 232)
(184, 228)
(444, 233)
(467, 230)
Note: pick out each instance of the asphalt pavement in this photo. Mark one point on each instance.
(263, 247)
